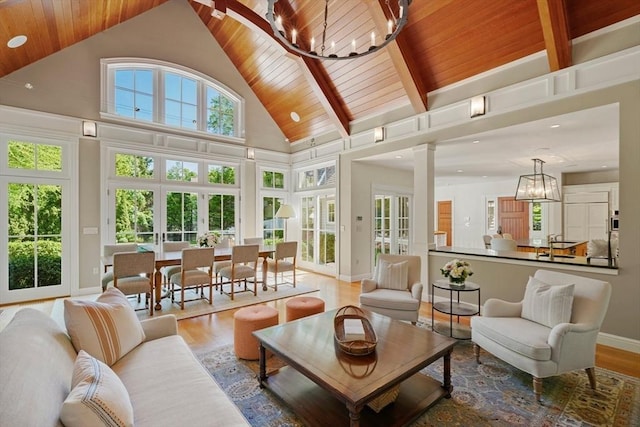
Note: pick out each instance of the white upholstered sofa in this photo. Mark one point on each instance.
(166, 384)
(553, 330)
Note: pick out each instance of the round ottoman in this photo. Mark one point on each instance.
(303, 306)
(245, 321)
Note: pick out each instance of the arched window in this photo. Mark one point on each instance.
(169, 95)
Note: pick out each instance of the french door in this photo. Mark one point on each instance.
(35, 236)
(391, 227)
(151, 214)
(318, 232)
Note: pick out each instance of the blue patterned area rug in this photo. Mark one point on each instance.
(490, 394)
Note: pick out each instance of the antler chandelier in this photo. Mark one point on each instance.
(285, 30)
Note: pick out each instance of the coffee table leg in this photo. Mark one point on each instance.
(263, 365)
(354, 415)
(447, 375)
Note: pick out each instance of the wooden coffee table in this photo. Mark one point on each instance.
(320, 380)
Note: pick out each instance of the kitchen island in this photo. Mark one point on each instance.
(578, 248)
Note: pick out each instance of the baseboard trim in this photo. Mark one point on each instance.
(88, 291)
(620, 343)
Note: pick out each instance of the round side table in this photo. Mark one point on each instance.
(453, 307)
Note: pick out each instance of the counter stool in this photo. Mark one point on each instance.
(245, 321)
(303, 306)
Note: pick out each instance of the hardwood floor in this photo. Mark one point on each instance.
(207, 332)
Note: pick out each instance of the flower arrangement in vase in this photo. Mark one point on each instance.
(457, 271)
(209, 239)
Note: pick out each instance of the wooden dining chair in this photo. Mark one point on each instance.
(196, 272)
(178, 246)
(133, 274)
(244, 262)
(284, 259)
(109, 250)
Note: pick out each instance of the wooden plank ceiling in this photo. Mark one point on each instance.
(444, 42)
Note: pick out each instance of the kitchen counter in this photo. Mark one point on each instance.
(562, 259)
(578, 248)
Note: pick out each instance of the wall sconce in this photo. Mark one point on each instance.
(378, 134)
(89, 129)
(251, 153)
(478, 106)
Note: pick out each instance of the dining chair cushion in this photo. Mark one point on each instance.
(241, 272)
(191, 278)
(107, 328)
(392, 275)
(97, 397)
(547, 304)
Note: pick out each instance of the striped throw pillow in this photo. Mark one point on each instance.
(393, 275)
(97, 396)
(107, 328)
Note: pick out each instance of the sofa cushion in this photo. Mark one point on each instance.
(390, 299)
(547, 304)
(97, 397)
(107, 328)
(519, 335)
(392, 275)
(169, 387)
(36, 365)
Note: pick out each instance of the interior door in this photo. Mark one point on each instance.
(513, 217)
(444, 219)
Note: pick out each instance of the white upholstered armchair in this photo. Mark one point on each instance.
(395, 289)
(551, 331)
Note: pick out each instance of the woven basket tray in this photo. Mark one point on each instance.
(354, 347)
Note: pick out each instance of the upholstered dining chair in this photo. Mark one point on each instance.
(395, 289)
(244, 261)
(176, 246)
(507, 236)
(487, 241)
(133, 274)
(253, 240)
(109, 250)
(225, 243)
(504, 245)
(284, 259)
(196, 272)
(551, 331)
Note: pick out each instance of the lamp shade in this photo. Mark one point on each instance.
(285, 211)
(538, 187)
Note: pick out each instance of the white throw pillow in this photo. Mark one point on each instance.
(547, 304)
(107, 328)
(393, 275)
(97, 397)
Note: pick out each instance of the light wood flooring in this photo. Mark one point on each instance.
(210, 331)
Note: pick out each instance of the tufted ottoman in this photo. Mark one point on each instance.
(303, 306)
(245, 321)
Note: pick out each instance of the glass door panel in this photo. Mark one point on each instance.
(327, 229)
(222, 215)
(135, 220)
(181, 216)
(307, 207)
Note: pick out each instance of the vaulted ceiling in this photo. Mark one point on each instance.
(444, 42)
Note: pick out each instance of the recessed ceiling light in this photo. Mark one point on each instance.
(484, 176)
(295, 116)
(398, 156)
(28, 86)
(17, 41)
(476, 141)
(555, 126)
(604, 166)
(459, 171)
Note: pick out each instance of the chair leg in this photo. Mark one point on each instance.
(294, 278)
(181, 297)
(476, 352)
(537, 388)
(591, 373)
(210, 293)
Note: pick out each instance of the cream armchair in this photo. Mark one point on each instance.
(539, 347)
(395, 289)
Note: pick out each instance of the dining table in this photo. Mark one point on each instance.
(166, 259)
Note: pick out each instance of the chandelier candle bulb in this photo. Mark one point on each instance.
(313, 44)
(353, 45)
(294, 36)
(279, 24)
(373, 39)
(389, 27)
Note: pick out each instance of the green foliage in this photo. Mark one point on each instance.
(222, 174)
(134, 166)
(22, 264)
(328, 243)
(221, 114)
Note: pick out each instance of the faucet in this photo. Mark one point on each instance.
(550, 239)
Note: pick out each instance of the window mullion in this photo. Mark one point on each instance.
(158, 96)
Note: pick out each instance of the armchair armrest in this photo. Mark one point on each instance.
(160, 327)
(573, 345)
(416, 291)
(367, 285)
(494, 307)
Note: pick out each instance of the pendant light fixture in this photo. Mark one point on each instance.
(538, 187)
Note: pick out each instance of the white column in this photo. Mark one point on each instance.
(423, 211)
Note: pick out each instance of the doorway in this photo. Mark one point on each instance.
(444, 219)
(513, 217)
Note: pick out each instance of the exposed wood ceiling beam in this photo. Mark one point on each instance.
(555, 28)
(316, 75)
(400, 52)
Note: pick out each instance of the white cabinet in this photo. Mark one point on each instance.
(585, 221)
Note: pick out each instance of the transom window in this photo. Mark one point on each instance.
(170, 95)
(35, 157)
(324, 176)
(272, 179)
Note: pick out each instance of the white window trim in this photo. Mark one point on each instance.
(160, 67)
